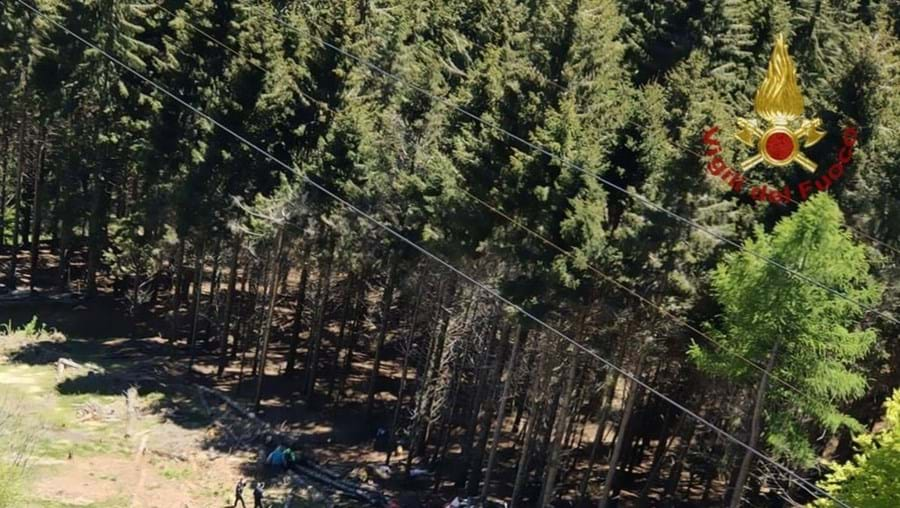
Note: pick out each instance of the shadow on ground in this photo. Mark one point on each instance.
(99, 336)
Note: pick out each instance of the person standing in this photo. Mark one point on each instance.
(258, 495)
(239, 493)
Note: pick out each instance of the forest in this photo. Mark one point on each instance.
(497, 230)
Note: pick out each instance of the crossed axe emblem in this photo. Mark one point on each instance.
(779, 145)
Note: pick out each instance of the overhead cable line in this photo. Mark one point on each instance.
(752, 364)
(547, 152)
(435, 257)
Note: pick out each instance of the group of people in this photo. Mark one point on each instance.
(257, 494)
(282, 457)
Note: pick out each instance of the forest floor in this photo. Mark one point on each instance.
(192, 457)
(80, 447)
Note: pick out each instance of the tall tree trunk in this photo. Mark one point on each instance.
(755, 429)
(279, 239)
(662, 446)
(241, 306)
(474, 412)
(66, 228)
(359, 313)
(229, 302)
(198, 290)
(442, 357)
(214, 277)
(318, 330)
(176, 284)
(501, 411)
(423, 381)
(562, 421)
(97, 224)
(348, 306)
(4, 166)
(246, 324)
(521, 395)
(621, 435)
(493, 380)
(36, 208)
(407, 348)
(446, 418)
(298, 312)
(606, 401)
(677, 466)
(387, 300)
(257, 323)
(17, 204)
(537, 402)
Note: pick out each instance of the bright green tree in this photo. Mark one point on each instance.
(802, 333)
(870, 478)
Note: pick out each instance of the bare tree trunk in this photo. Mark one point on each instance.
(387, 300)
(17, 205)
(481, 389)
(621, 436)
(562, 420)
(521, 395)
(493, 380)
(36, 208)
(214, 277)
(96, 234)
(257, 323)
(341, 342)
(241, 307)
(602, 414)
(423, 381)
(318, 330)
(198, 290)
(247, 321)
(665, 441)
(229, 301)
(359, 314)
(4, 165)
(755, 429)
(279, 239)
(677, 466)
(179, 270)
(501, 411)
(537, 404)
(176, 284)
(298, 312)
(407, 348)
(66, 229)
(446, 419)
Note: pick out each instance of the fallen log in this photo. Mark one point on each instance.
(353, 491)
(68, 362)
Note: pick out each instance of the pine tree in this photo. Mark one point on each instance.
(802, 333)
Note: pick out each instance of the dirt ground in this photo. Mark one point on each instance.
(191, 458)
(83, 452)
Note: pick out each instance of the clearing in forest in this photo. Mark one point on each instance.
(72, 426)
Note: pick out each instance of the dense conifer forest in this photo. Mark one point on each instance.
(490, 228)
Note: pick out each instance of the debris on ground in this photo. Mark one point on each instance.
(93, 410)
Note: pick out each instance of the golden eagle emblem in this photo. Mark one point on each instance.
(779, 102)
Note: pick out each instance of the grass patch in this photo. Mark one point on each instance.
(177, 472)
